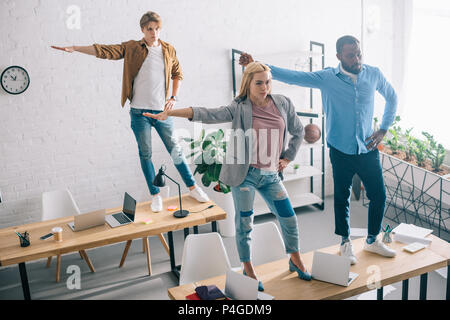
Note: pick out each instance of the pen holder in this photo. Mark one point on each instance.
(24, 239)
(387, 238)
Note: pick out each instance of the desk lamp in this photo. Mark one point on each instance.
(160, 181)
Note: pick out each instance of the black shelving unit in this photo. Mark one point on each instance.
(311, 115)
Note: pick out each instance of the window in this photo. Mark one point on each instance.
(427, 83)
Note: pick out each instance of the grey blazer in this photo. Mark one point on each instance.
(239, 112)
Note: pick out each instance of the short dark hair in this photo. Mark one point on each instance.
(345, 40)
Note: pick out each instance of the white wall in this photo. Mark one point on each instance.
(68, 129)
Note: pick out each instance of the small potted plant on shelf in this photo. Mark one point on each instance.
(296, 166)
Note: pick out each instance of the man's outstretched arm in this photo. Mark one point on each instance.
(299, 78)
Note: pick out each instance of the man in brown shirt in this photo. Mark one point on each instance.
(149, 65)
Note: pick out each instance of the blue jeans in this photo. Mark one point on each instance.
(142, 128)
(274, 194)
(368, 168)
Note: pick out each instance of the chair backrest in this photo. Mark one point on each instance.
(204, 256)
(58, 204)
(267, 243)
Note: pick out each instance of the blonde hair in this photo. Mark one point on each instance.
(150, 16)
(249, 72)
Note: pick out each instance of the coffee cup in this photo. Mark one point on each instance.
(57, 233)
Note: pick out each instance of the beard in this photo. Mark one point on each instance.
(355, 69)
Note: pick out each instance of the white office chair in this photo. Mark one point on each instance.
(267, 243)
(58, 204)
(204, 256)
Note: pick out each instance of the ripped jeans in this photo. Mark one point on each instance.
(274, 194)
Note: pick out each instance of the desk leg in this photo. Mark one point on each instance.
(405, 289)
(214, 226)
(448, 283)
(195, 229)
(380, 294)
(24, 278)
(423, 286)
(186, 232)
(173, 265)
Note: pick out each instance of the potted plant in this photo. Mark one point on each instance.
(419, 150)
(409, 145)
(415, 178)
(296, 166)
(436, 152)
(208, 152)
(394, 142)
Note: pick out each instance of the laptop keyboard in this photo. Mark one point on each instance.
(121, 218)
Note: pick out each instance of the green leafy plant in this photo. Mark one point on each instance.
(435, 152)
(395, 133)
(420, 148)
(409, 144)
(296, 166)
(210, 154)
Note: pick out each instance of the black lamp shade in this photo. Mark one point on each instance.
(159, 180)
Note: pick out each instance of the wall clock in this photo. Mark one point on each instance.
(15, 80)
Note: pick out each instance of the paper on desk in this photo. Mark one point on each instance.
(410, 239)
(411, 230)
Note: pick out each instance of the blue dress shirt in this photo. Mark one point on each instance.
(348, 106)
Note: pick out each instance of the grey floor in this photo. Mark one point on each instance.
(132, 281)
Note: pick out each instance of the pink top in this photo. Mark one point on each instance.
(268, 126)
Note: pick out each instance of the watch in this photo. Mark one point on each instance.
(15, 80)
(174, 98)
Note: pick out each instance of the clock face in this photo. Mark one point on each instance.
(15, 80)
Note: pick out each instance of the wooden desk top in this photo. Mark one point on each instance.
(284, 285)
(164, 221)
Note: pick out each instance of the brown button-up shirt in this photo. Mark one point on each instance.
(134, 53)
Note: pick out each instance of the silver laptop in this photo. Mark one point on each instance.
(126, 216)
(87, 220)
(240, 287)
(332, 268)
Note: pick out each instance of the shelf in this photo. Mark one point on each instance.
(303, 172)
(298, 200)
(309, 113)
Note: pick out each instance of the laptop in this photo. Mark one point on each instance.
(332, 268)
(240, 287)
(87, 220)
(126, 216)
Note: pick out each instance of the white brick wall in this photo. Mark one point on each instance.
(68, 129)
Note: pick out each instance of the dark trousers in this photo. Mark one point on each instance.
(368, 168)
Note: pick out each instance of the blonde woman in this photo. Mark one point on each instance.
(268, 118)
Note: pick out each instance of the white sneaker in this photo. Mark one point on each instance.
(347, 251)
(157, 205)
(380, 248)
(198, 194)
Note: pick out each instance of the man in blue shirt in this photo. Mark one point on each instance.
(348, 101)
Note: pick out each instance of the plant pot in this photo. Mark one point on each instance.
(224, 201)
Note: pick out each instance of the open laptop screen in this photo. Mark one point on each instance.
(129, 206)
